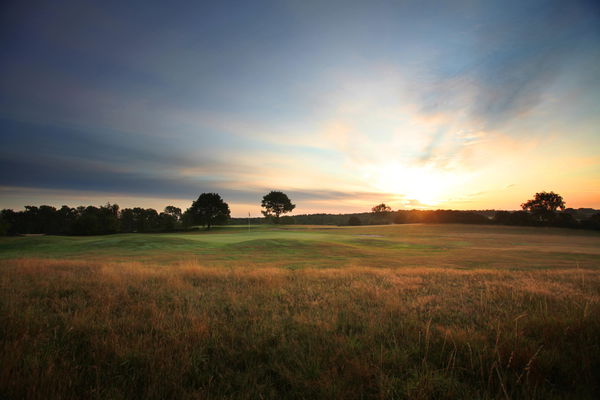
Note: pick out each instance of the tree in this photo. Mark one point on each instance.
(139, 219)
(151, 220)
(593, 222)
(208, 210)
(173, 211)
(67, 217)
(48, 220)
(11, 221)
(108, 218)
(276, 203)
(381, 214)
(169, 219)
(4, 225)
(354, 221)
(87, 222)
(401, 217)
(31, 222)
(127, 220)
(381, 209)
(544, 205)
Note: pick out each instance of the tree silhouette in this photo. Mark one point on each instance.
(593, 222)
(173, 211)
(276, 203)
(544, 205)
(208, 210)
(4, 225)
(354, 221)
(170, 218)
(381, 209)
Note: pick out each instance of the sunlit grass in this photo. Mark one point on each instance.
(73, 329)
(420, 312)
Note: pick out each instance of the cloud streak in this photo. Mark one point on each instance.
(516, 53)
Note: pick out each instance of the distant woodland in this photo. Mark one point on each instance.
(544, 209)
(585, 218)
(92, 220)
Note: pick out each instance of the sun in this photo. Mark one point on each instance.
(424, 184)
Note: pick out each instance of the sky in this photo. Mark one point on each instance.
(340, 104)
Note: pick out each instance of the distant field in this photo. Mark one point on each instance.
(402, 311)
(388, 246)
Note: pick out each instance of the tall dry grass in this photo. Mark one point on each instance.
(73, 329)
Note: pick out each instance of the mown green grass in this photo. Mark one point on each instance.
(392, 312)
(381, 246)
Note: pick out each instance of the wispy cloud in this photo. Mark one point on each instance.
(511, 62)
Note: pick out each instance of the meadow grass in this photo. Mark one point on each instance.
(415, 312)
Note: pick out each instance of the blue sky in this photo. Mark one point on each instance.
(464, 104)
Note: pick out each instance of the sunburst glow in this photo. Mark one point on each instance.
(421, 186)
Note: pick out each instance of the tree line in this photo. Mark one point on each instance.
(208, 210)
(545, 209)
(88, 220)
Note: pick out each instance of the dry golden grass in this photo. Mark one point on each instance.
(76, 329)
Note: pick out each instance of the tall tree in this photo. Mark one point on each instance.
(209, 210)
(276, 203)
(544, 205)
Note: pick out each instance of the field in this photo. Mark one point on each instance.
(402, 311)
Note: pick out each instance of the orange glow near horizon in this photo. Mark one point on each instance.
(425, 184)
